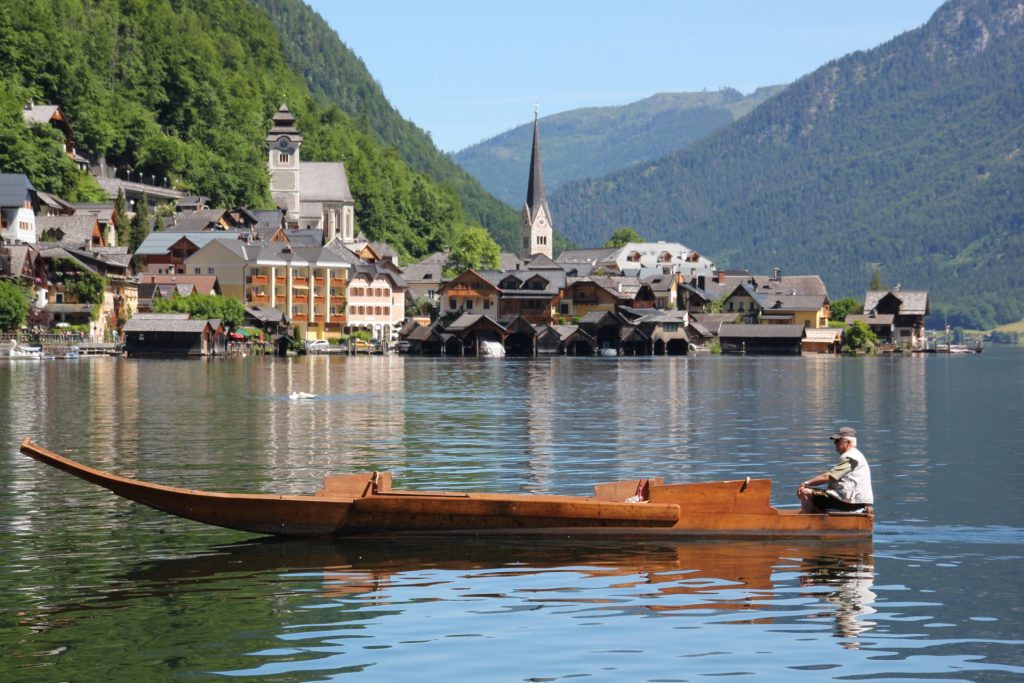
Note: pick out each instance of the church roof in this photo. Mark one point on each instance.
(324, 181)
(535, 197)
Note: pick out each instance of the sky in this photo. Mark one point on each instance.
(466, 70)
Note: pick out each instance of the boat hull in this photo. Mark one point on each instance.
(364, 504)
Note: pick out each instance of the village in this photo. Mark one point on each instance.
(309, 282)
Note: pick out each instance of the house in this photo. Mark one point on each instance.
(50, 114)
(582, 262)
(376, 301)
(165, 252)
(472, 330)
(531, 294)
(908, 309)
(152, 287)
(423, 280)
(647, 258)
(761, 339)
(666, 331)
(19, 203)
(822, 340)
(613, 331)
(106, 215)
(173, 334)
(604, 293)
(567, 340)
(70, 286)
(469, 292)
(78, 231)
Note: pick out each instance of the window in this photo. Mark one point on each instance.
(387, 310)
(671, 327)
(469, 304)
(563, 309)
(209, 270)
(284, 158)
(730, 306)
(741, 307)
(452, 304)
(634, 257)
(487, 304)
(542, 239)
(198, 270)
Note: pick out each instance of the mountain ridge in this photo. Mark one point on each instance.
(592, 141)
(904, 156)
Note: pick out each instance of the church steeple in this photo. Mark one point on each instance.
(283, 143)
(536, 228)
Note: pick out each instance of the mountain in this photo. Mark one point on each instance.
(314, 50)
(184, 90)
(586, 143)
(908, 156)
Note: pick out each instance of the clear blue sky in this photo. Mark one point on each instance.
(465, 70)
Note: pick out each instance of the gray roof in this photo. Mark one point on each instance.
(13, 188)
(912, 302)
(868, 319)
(159, 243)
(430, 269)
(18, 254)
(164, 324)
(324, 181)
(785, 302)
(467, 320)
(265, 314)
(305, 237)
(196, 221)
(740, 331)
(77, 229)
(39, 113)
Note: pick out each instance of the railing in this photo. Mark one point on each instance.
(259, 299)
(300, 299)
(300, 282)
(318, 300)
(279, 281)
(338, 300)
(318, 282)
(337, 282)
(258, 280)
(318, 318)
(299, 318)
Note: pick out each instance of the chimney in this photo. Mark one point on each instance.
(777, 274)
(721, 277)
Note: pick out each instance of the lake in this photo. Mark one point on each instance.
(94, 587)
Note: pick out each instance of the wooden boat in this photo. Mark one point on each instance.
(360, 504)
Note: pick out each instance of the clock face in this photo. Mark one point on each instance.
(282, 143)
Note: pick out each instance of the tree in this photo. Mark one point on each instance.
(123, 226)
(858, 337)
(229, 311)
(876, 279)
(13, 306)
(472, 247)
(140, 223)
(844, 307)
(622, 237)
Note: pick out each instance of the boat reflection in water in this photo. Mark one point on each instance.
(743, 582)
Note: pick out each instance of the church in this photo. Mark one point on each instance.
(535, 228)
(314, 195)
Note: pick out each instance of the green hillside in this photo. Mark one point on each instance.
(908, 156)
(185, 89)
(331, 69)
(591, 142)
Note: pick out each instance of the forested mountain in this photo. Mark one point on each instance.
(185, 89)
(331, 69)
(591, 142)
(908, 156)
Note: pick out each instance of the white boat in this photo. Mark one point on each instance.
(17, 350)
(609, 351)
(492, 349)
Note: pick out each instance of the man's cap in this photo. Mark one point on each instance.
(844, 432)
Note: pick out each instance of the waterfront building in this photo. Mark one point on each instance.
(18, 204)
(897, 316)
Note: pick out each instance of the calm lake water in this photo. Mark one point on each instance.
(93, 587)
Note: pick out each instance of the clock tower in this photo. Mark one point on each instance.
(535, 229)
(283, 142)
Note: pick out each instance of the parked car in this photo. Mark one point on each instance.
(317, 346)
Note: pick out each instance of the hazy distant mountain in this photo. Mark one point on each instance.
(908, 155)
(586, 143)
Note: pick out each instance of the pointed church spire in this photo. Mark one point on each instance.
(535, 186)
(535, 229)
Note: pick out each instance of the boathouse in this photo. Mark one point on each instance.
(173, 334)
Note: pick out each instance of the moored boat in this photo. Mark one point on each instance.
(360, 504)
(16, 350)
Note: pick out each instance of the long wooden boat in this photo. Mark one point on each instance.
(360, 504)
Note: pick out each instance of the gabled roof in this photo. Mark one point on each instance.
(204, 284)
(197, 221)
(160, 242)
(430, 269)
(284, 125)
(13, 188)
(154, 323)
(264, 314)
(829, 335)
(912, 302)
(466, 321)
(741, 331)
(76, 230)
(324, 181)
(785, 302)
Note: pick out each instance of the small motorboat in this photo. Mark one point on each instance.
(300, 395)
(362, 504)
(492, 349)
(17, 350)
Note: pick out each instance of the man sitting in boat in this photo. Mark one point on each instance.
(848, 484)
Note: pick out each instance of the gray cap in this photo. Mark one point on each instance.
(844, 432)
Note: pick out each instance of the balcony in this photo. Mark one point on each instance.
(299, 318)
(318, 282)
(318, 300)
(337, 282)
(258, 280)
(318, 318)
(300, 282)
(279, 281)
(300, 299)
(259, 299)
(337, 301)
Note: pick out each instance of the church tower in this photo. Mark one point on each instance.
(283, 142)
(535, 229)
